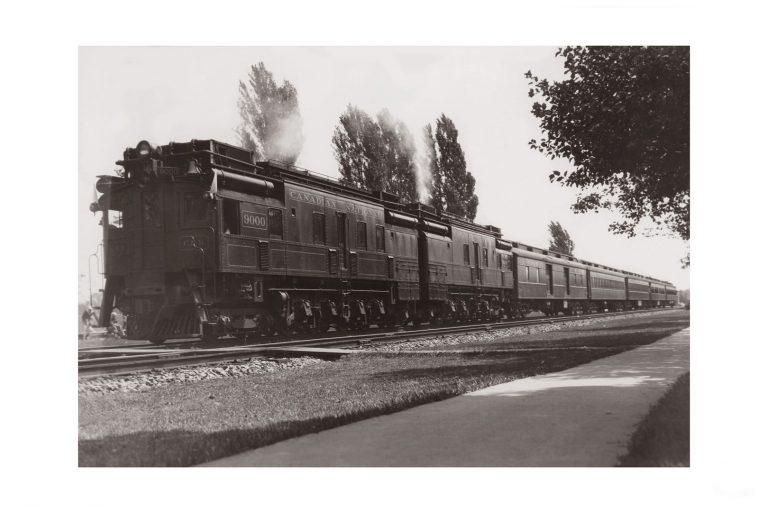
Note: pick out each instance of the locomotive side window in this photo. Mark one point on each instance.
(230, 217)
(275, 223)
(485, 257)
(362, 236)
(380, 238)
(194, 208)
(466, 254)
(318, 223)
(114, 219)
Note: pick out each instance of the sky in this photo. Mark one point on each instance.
(165, 94)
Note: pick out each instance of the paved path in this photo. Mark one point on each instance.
(584, 416)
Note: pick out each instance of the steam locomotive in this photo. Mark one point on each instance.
(200, 239)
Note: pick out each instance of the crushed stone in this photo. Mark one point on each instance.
(445, 340)
(142, 381)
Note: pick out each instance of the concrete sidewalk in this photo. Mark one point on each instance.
(584, 416)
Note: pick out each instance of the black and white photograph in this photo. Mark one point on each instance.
(384, 256)
(364, 260)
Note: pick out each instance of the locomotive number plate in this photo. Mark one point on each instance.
(254, 220)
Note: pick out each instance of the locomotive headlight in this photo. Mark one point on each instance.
(144, 148)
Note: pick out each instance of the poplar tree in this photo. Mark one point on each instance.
(454, 187)
(398, 157)
(271, 124)
(376, 154)
(560, 240)
(434, 189)
(355, 146)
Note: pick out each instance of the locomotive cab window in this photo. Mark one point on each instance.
(275, 223)
(362, 236)
(230, 217)
(114, 219)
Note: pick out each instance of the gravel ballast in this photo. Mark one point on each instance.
(144, 381)
(489, 336)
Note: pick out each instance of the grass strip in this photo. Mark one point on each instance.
(663, 437)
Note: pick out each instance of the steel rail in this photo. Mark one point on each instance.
(163, 357)
(278, 339)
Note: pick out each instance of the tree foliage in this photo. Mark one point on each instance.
(621, 117)
(271, 123)
(376, 154)
(398, 157)
(355, 145)
(452, 187)
(560, 240)
(429, 167)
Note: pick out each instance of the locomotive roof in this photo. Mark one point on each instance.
(287, 172)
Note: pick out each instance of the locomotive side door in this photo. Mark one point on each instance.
(478, 278)
(341, 230)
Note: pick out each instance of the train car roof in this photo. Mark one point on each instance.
(554, 258)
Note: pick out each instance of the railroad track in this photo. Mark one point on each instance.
(131, 358)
